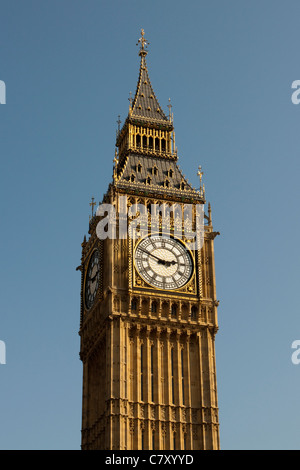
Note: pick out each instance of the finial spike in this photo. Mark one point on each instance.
(143, 43)
(92, 204)
(200, 174)
(170, 113)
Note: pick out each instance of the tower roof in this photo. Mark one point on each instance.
(145, 105)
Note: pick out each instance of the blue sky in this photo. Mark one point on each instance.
(228, 68)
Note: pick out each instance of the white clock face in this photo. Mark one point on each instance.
(163, 262)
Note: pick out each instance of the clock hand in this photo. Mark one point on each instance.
(161, 261)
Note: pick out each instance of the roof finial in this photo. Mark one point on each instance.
(170, 113)
(143, 43)
(118, 122)
(93, 203)
(200, 174)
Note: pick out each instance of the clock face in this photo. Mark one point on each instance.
(163, 262)
(92, 280)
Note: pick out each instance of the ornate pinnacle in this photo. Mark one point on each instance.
(93, 205)
(143, 43)
(170, 113)
(200, 174)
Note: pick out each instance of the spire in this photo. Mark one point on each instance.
(145, 104)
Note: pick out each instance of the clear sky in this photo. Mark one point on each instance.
(228, 67)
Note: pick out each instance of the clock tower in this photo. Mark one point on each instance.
(148, 296)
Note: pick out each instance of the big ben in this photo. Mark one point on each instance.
(148, 296)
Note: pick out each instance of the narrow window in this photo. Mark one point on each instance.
(139, 168)
(173, 310)
(141, 373)
(144, 141)
(172, 373)
(154, 307)
(138, 140)
(163, 145)
(182, 376)
(133, 304)
(194, 312)
(152, 373)
(174, 440)
(153, 441)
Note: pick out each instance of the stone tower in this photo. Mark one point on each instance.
(148, 296)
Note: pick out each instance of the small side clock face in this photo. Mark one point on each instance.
(92, 280)
(163, 262)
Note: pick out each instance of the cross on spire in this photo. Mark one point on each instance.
(144, 42)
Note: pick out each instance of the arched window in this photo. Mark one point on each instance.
(174, 310)
(138, 140)
(134, 305)
(194, 312)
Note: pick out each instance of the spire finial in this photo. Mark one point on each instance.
(200, 174)
(170, 113)
(92, 204)
(144, 43)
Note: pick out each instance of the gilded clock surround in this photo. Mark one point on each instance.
(148, 355)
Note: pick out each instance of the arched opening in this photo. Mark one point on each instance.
(174, 310)
(194, 312)
(154, 307)
(134, 305)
